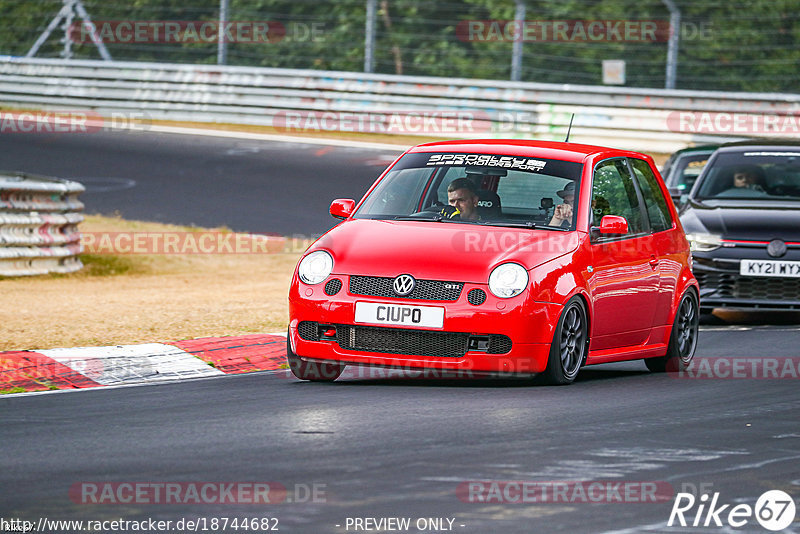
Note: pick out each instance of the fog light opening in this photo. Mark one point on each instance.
(479, 343)
(327, 332)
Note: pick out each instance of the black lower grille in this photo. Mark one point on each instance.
(499, 344)
(402, 341)
(308, 330)
(375, 286)
(733, 286)
(413, 342)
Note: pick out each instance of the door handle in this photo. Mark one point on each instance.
(653, 261)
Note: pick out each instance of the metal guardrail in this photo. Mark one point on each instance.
(39, 219)
(643, 119)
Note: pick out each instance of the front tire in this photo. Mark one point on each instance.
(312, 371)
(570, 344)
(682, 340)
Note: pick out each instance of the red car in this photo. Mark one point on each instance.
(498, 257)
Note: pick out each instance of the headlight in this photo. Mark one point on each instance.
(508, 280)
(315, 267)
(703, 242)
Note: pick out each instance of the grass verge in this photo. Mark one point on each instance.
(134, 298)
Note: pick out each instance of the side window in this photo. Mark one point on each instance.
(654, 201)
(613, 193)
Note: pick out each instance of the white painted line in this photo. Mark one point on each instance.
(271, 137)
(123, 364)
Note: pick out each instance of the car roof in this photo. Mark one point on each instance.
(760, 143)
(692, 149)
(524, 147)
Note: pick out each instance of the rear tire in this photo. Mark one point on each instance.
(312, 371)
(682, 340)
(569, 346)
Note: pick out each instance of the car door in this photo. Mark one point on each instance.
(665, 241)
(625, 279)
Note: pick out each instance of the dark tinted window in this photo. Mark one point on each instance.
(654, 201)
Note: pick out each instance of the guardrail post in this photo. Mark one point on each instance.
(369, 38)
(516, 54)
(222, 46)
(674, 41)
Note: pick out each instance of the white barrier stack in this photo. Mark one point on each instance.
(39, 219)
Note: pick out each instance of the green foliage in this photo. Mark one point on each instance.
(734, 45)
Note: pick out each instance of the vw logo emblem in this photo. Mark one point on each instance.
(404, 284)
(776, 248)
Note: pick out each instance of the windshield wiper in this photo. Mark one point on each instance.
(433, 217)
(522, 224)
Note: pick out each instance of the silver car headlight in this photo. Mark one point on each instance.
(508, 280)
(703, 242)
(315, 267)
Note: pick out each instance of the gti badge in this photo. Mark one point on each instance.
(404, 285)
(776, 248)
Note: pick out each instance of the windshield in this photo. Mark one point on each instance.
(754, 174)
(477, 189)
(687, 169)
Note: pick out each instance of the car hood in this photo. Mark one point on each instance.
(438, 250)
(745, 221)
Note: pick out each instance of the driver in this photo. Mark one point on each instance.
(563, 212)
(462, 195)
(749, 176)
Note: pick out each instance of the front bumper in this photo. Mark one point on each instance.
(496, 336)
(722, 286)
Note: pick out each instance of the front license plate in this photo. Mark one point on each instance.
(781, 269)
(379, 313)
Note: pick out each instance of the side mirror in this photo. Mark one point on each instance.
(342, 208)
(611, 224)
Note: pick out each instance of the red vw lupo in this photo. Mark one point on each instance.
(499, 256)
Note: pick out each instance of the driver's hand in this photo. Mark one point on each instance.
(563, 212)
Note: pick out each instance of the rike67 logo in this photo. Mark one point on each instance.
(774, 510)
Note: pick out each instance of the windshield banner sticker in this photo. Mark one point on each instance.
(505, 162)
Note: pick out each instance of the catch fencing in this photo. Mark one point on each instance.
(39, 219)
(133, 94)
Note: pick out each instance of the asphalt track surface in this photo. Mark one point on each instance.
(383, 447)
(378, 446)
(246, 185)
